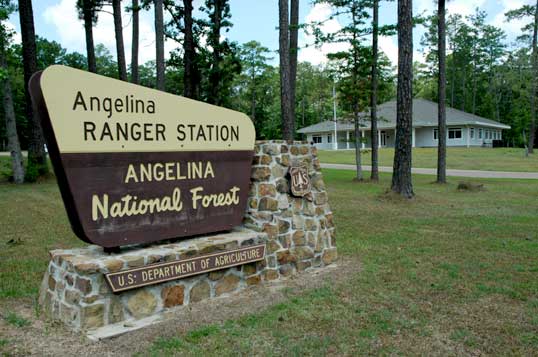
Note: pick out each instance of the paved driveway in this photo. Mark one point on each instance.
(458, 173)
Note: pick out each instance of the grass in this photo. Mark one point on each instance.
(33, 221)
(16, 320)
(449, 273)
(488, 159)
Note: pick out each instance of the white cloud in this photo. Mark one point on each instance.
(16, 35)
(318, 55)
(513, 27)
(464, 7)
(64, 17)
(389, 46)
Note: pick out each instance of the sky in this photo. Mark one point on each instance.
(253, 20)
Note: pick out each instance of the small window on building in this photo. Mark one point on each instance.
(329, 138)
(435, 134)
(316, 139)
(480, 133)
(471, 134)
(454, 133)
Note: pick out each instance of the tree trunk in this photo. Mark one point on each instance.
(87, 11)
(13, 144)
(358, 144)
(294, 33)
(441, 105)
(189, 74)
(374, 174)
(134, 46)
(453, 78)
(284, 54)
(474, 91)
(355, 78)
(214, 75)
(159, 43)
(463, 88)
(118, 28)
(532, 129)
(253, 95)
(37, 160)
(401, 176)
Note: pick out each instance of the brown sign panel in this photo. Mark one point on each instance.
(136, 165)
(300, 181)
(161, 272)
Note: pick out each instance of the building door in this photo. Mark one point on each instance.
(383, 138)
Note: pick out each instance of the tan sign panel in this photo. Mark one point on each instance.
(92, 113)
(136, 165)
(161, 272)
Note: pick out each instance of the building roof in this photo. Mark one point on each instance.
(424, 115)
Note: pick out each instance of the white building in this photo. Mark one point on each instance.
(463, 129)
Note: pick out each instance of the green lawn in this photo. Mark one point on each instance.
(449, 273)
(497, 159)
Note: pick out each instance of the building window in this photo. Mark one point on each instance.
(454, 133)
(329, 138)
(435, 134)
(480, 133)
(316, 139)
(472, 133)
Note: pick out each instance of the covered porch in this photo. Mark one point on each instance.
(346, 139)
(385, 139)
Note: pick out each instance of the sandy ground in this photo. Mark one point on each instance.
(46, 338)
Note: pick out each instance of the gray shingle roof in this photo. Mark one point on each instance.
(424, 115)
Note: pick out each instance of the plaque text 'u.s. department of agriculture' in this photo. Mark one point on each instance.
(161, 272)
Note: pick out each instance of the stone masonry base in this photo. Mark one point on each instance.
(74, 289)
(298, 232)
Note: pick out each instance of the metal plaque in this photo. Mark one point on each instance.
(299, 181)
(137, 165)
(161, 272)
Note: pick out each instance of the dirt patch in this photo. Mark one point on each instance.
(47, 338)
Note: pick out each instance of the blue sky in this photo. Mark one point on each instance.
(253, 20)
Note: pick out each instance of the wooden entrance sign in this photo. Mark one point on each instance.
(136, 165)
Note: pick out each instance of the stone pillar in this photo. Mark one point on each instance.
(300, 229)
(414, 136)
(347, 139)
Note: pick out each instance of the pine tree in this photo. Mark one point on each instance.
(37, 161)
(441, 103)
(87, 11)
(159, 43)
(13, 143)
(118, 30)
(135, 9)
(401, 175)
